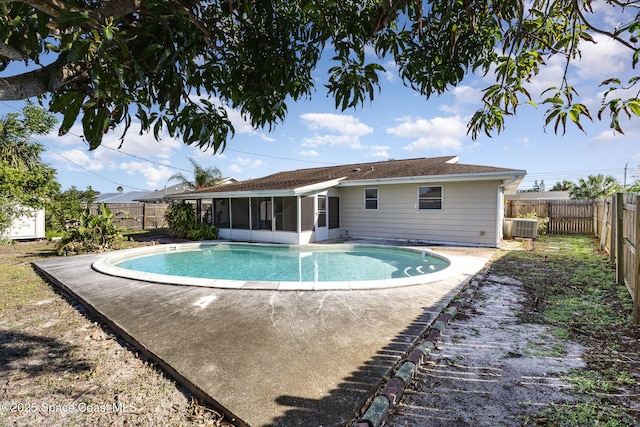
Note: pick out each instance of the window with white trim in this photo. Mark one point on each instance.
(371, 198)
(429, 198)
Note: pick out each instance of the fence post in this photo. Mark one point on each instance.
(604, 232)
(144, 215)
(636, 269)
(619, 236)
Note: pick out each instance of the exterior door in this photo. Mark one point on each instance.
(322, 228)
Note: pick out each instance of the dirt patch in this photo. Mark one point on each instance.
(488, 368)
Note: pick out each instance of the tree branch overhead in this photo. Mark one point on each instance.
(117, 60)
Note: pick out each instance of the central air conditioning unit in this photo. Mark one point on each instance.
(522, 227)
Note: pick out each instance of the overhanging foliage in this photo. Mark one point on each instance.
(176, 65)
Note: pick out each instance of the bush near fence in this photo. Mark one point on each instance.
(136, 215)
(564, 216)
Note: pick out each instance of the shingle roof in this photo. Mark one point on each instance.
(128, 197)
(421, 167)
(159, 195)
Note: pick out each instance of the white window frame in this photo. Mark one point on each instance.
(366, 199)
(441, 198)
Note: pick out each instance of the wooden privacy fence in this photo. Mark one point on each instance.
(565, 216)
(619, 233)
(136, 215)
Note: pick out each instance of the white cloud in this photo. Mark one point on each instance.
(77, 157)
(441, 133)
(243, 160)
(348, 141)
(342, 130)
(550, 75)
(379, 151)
(612, 16)
(73, 137)
(391, 71)
(109, 157)
(604, 137)
(337, 122)
(309, 153)
(242, 164)
(463, 97)
(604, 59)
(205, 155)
(234, 169)
(155, 176)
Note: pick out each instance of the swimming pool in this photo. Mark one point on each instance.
(264, 266)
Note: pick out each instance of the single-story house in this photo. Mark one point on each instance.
(433, 200)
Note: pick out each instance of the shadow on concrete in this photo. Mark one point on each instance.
(343, 404)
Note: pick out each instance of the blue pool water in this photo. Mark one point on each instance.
(290, 264)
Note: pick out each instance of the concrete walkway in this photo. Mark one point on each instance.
(269, 358)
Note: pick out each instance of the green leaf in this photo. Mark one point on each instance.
(107, 33)
(610, 81)
(553, 100)
(634, 106)
(72, 18)
(71, 111)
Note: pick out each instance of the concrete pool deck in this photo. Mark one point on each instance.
(269, 357)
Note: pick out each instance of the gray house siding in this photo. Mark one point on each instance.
(468, 214)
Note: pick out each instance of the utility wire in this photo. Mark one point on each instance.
(95, 174)
(282, 158)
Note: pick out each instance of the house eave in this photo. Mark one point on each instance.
(515, 175)
(511, 179)
(232, 194)
(319, 186)
(299, 191)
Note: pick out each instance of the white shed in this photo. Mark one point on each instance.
(28, 226)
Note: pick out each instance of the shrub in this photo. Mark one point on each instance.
(182, 223)
(91, 233)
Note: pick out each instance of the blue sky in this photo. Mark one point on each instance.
(398, 124)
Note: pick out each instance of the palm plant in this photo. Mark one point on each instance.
(202, 177)
(91, 233)
(595, 187)
(17, 150)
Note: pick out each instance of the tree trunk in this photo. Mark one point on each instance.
(39, 82)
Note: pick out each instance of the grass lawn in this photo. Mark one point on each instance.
(58, 367)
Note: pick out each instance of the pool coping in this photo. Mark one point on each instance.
(105, 265)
